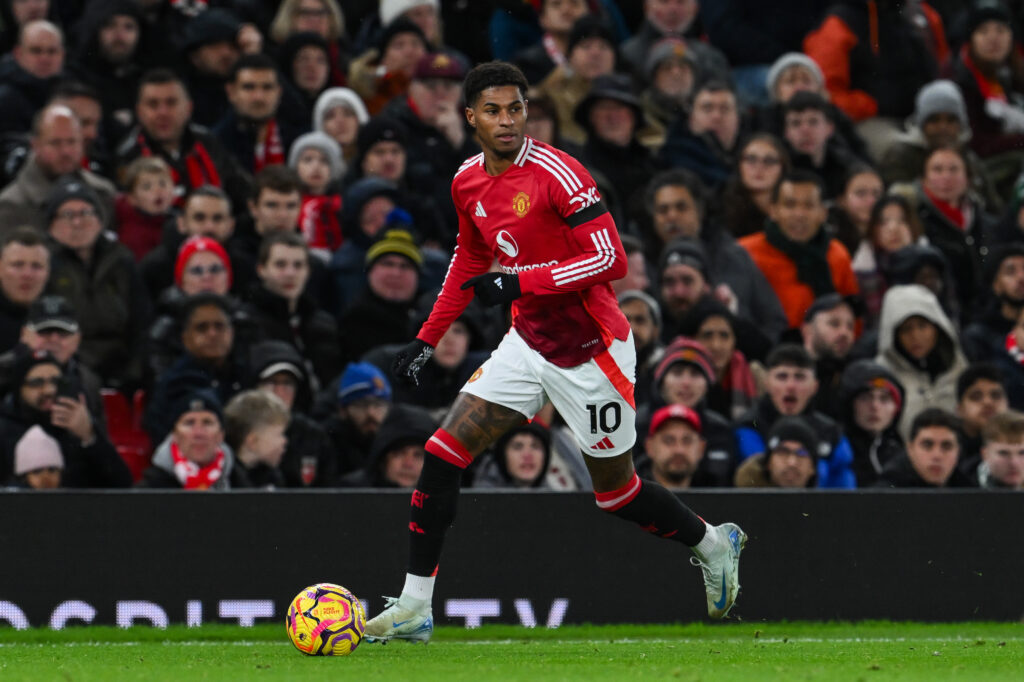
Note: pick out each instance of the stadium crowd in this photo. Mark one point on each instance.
(220, 219)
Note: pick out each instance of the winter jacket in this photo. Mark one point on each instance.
(835, 456)
(160, 473)
(933, 383)
(987, 133)
(370, 321)
(711, 63)
(627, 168)
(12, 319)
(110, 303)
(188, 372)
(21, 96)
(138, 230)
(702, 154)
(876, 55)
(754, 32)
(771, 118)
(240, 137)
(404, 425)
(985, 341)
(23, 202)
(871, 452)
(753, 473)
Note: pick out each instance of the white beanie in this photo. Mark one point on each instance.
(338, 97)
(36, 450)
(322, 142)
(793, 59)
(939, 97)
(389, 9)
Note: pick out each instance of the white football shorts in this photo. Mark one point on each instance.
(595, 399)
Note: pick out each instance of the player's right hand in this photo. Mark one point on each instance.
(410, 360)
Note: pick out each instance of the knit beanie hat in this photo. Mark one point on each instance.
(196, 399)
(652, 304)
(338, 97)
(794, 429)
(36, 450)
(589, 26)
(215, 25)
(939, 97)
(66, 189)
(325, 144)
(685, 351)
(194, 245)
(397, 27)
(390, 9)
(667, 48)
(25, 359)
(685, 251)
(987, 10)
(793, 59)
(395, 241)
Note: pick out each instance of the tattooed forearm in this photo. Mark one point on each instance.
(477, 423)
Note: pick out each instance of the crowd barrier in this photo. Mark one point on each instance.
(153, 558)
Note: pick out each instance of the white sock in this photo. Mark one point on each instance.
(708, 542)
(417, 592)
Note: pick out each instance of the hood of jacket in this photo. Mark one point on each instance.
(272, 352)
(856, 379)
(904, 301)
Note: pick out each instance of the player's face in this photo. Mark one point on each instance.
(499, 117)
(790, 465)
(933, 454)
(791, 388)
(1005, 462)
(874, 410)
(981, 401)
(675, 450)
(683, 384)
(524, 458)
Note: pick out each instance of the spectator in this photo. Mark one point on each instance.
(362, 403)
(254, 425)
(84, 101)
(380, 314)
(797, 256)
(590, 53)
(340, 113)
(556, 19)
(924, 264)
(737, 381)
(42, 397)
(871, 400)
(254, 128)
(809, 132)
(519, 460)
(791, 386)
(939, 119)
(991, 77)
(209, 43)
(384, 72)
(746, 199)
(366, 209)
(980, 396)
(305, 64)
(644, 316)
(29, 75)
(671, 20)
(194, 455)
(24, 270)
(309, 459)
(17, 13)
(636, 274)
(953, 219)
(147, 206)
(828, 331)
(932, 455)
(283, 307)
(674, 451)
(683, 279)
(316, 159)
(57, 150)
(671, 71)
(98, 276)
(396, 458)
(850, 215)
(273, 206)
(166, 129)
(705, 141)
(1002, 455)
(790, 459)
(986, 337)
(677, 204)
(38, 461)
(918, 344)
(322, 17)
(383, 151)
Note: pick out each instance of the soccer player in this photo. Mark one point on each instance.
(538, 212)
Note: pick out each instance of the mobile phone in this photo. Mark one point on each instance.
(67, 387)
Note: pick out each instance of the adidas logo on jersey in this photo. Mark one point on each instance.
(604, 444)
(480, 212)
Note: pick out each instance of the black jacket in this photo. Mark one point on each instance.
(187, 371)
(21, 96)
(239, 137)
(900, 473)
(871, 453)
(12, 319)
(404, 425)
(370, 321)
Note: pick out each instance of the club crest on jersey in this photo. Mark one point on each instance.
(507, 244)
(476, 375)
(521, 204)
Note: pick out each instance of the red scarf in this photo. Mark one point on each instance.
(319, 221)
(952, 213)
(1014, 351)
(191, 475)
(739, 382)
(990, 89)
(198, 165)
(551, 47)
(269, 150)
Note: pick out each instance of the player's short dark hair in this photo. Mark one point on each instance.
(208, 191)
(276, 178)
(799, 176)
(255, 62)
(71, 89)
(493, 74)
(160, 76)
(934, 416)
(790, 355)
(202, 300)
(808, 101)
(974, 373)
(676, 177)
(279, 237)
(25, 235)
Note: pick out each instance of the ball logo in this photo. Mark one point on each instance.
(521, 204)
(507, 244)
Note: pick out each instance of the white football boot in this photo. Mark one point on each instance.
(721, 568)
(398, 622)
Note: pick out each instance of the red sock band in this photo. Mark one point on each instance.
(445, 446)
(617, 499)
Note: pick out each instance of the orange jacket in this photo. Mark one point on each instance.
(795, 296)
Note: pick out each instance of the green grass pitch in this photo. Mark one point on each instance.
(742, 651)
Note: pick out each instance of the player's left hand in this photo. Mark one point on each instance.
(494, 288)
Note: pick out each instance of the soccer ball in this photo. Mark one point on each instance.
(325, 620)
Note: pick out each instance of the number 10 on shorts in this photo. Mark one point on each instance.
(607, 417)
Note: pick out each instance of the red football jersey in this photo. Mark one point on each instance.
(543, 219)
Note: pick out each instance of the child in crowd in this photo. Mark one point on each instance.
(143, 210)
(254, 425)
(316, 157)
(38, 461)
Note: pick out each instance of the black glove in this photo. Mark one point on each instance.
(410, 360)
(494, 288)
